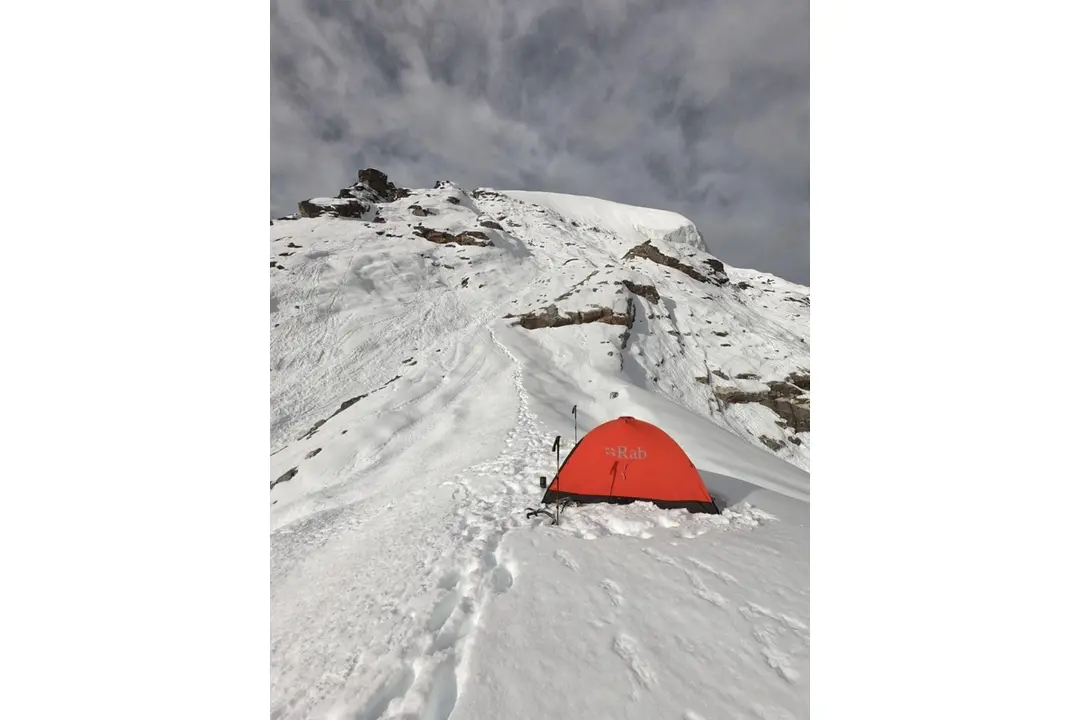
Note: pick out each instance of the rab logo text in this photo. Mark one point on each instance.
(620, 452)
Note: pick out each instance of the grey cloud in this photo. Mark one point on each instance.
(693, 106)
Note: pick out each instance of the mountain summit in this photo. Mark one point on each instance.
(426, 347)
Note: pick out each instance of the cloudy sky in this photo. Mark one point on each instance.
(696, 106)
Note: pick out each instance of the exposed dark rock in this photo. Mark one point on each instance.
(381, 185)
(614, 394)
(784, 398)
(648, 251)
(743, 285)
(734, 396)
(289, 475)
(491, 224)
(469, 237)
(453, 200)
(720, 333)
(551, 317)
(800, 380)
(345, 406)
(419, 211)
(354, 201)
(646, 291)
(354, 208)
(464, 282)
(576, 286)
(314, 428)
(478, 193)
(703, 380)
(293, 245)
(770, 443)
(378, 219)
(313, 453)
(747, 376)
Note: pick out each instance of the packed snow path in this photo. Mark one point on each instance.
(447, 563)
(411, 424)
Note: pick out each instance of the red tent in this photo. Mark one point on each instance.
(625, 460)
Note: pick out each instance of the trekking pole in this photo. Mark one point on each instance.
(574, 412)
(555, 481)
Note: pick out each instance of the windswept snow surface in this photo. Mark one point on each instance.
(411, 420)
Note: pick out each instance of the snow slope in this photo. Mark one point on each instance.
(411, 417)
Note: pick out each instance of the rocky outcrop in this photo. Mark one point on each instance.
(770, 443)
(648, 251)
(551, 316)
(785, 398)
(378, 183)
(717, 266)
(372, 187)
(646, 291)
(336, 207)
(439, 237)
(800, 380)
(289, 475)
(491, 224)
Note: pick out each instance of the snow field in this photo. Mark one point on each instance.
(406, 581)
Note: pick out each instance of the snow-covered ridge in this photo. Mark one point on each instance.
(624, 221)
(426, 347)
(706, 338)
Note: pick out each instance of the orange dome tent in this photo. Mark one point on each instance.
(626, 460)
